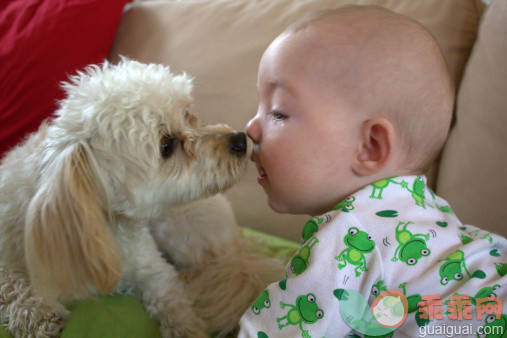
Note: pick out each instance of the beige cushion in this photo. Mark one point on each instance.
(474, 163)
(220, 43)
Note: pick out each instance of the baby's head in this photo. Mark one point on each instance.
(347, 97)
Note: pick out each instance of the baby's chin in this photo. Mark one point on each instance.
(283, 206)
(277, 204)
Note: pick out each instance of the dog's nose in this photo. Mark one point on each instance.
(238, 143)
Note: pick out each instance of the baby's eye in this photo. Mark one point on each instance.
(277, 116)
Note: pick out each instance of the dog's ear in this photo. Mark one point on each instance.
(68, 245)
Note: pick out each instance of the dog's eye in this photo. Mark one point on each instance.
(167, 146)
(191, 119)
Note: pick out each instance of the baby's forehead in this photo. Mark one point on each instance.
(366, 30)
(315, 59)
(364, 46)
(302, 57)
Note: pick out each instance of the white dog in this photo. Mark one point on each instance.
(76, 198)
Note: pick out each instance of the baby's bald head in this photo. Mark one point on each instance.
(386, 65)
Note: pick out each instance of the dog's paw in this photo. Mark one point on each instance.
(51, 326)
(35, 323)
(182, 324)
(188, 275)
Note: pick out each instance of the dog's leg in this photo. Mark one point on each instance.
(26, 314)
(222, 274)
(189, 233)
(162, 293)
(228, 283)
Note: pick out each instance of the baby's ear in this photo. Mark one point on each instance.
(375, 150)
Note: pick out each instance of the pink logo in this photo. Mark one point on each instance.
(390, 308)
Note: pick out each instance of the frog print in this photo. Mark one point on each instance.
(501, 269)
(488, 292)
(379, 186)
(493, 327)
(310, 228)
(418, 191)
(411, 246)
(445, 209)
(299, 262)
(305, 311)
(489, 237)
(262, 302)
(451, 268)
(359, 243)
(378, 288)
(465, 239)
(413, 301)
(346, 204)
(483, 235)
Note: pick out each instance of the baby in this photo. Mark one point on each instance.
(355, 104)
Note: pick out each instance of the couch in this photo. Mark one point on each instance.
(219, 43)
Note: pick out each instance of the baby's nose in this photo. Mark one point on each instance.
(237, 143)
(253, 130)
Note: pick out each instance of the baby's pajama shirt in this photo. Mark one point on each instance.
(395, 234)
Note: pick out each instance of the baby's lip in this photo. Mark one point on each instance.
(262, 173)
(254, 157)
(263, 177)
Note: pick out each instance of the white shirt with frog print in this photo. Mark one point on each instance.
(395, 234)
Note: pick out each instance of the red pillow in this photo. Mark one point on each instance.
(41, 44)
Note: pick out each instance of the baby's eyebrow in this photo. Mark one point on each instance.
(283, 85)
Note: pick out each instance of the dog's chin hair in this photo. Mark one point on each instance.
(219, 188)
(220, 183)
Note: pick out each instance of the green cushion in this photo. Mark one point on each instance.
(124, 316)
(111, 316)
(107, 316)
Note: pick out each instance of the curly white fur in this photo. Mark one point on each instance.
(77, 196)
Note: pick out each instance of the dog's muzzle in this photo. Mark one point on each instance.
(237, 143)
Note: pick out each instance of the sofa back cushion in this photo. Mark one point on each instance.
(474, 162)
(220, 43)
